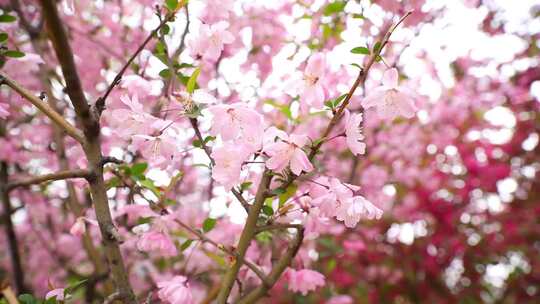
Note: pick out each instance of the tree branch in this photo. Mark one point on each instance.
(64, 54)
(277, 270)
(43, 107)
(230, 252)
(60, 175)
(100, 103)
(245, 238)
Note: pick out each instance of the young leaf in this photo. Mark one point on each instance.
(13, 54)
(245, 186)
(268, 210)
(186, 245)
(209, 224)
(3, 37)
(360, 50)
(377, 47)
(171, 4)
(192, 82)
(7, 18)
(139, 168)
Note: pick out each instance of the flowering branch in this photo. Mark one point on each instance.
(61, 175)
(277, 270)
(232, 253)
(43, 107)
(100, 103)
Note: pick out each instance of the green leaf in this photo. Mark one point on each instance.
(245, 186)
(165, 29)
(291, 190)
(73, 287)
(27, 299)
(209, 224)
(268, 210)
(139, 168)
(334, 8)
(165, 73)
(185, 245)
(218, 259)
(356, 65)
(171, 4)
(190, 86)
(149, 184)
(377, 47)
(3, 37)
(360, 50)
(13, 54)
(209, 138)
(7, 18)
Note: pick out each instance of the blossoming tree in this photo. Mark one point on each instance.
(200, 151)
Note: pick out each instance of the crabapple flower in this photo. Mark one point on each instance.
(229, 159)
(4, 110)
(133, 120)
(237, 120)
(288, 151)
(304, 280)
(330, 193)
(390, 100)
(160, 149)
(136, 85)
(310, 87)
(175, 291)
(354, 134)
(57, 293)
(356, 208)
(217, 10)
(190, 100)
(158, 241)
(210, 41)
(79, 227)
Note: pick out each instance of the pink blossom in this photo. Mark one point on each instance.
(217, 10)
(133, 121)
(304, 280)
(159, 149)
(390, 100)
(175, 291)
(356, 208)
(57, 293)
(4, 113)
(237, 121)
(79, 227)
(157, 241)
(136, 85)
(310, 86)
(354, 134)
(189, 100)
(229, 159)
(210, 41)
(288, 151)
(341, 299)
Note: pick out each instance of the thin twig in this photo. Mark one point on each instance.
(232, 253)
(100, 103)
(60, 175)
(43, 107)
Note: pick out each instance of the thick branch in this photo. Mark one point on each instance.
(64, 54)
(78, 173)
(11, 236)
(245, 238)
(43, 107)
